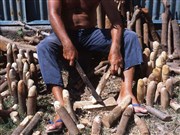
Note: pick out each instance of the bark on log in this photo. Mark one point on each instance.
(158, 113)
(141, 124)
(33, 122)
(32, 101)
(139, 30)
(96, 126)
(124, 120)
(108, 120)
(170, 40)
(151, 93)
(67, 120)
(14, 52)
(68, 105)
(4, 41)
(22, 125)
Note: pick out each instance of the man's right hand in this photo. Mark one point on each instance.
(70, 53)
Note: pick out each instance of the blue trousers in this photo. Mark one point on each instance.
(92, 40)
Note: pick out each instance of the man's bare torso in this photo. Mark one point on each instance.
(79, 13)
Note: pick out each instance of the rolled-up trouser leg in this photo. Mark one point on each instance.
(48, 51)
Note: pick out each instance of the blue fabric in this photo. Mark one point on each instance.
(93, 40)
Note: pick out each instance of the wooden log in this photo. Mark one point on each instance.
(153, 59)
(96, 126)
(165, 73)
(32, 101)
(156, 48)
(22, 125)
(88, 105)
(30, 83)
(127, 18)
(34, 40)
(160, 85)
(30, 57)
(8, 67)
(1, 103)
(4, 86)
(4, 41)
(67, 120)
(21, 97)
(164, 57)
(151, 27)
(146, 56)
(14, 91)
(68, 105)
(113, 116)
(164, 30)
(5, 93)
(164, 98)
(151, 93)
(146, 34)
(170, 40)
(138, 29)
(14, 51)
(25, 70)
(157, 73)
(136, 14)
(174, 105)
(100, 17)
(20, 66)
(124, 120)
(33, 122)
(176, 39)
(101, 70)
(162, 116)
(102, 82)
(9, 54)
(141, 124)
(34, 73)
(140, 91)
(169, 86)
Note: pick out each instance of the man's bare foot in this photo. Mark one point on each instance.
(55, 126)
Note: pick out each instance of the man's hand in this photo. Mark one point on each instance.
(115, 60)
(70, 53)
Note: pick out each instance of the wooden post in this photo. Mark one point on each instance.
(169, 86)
(140, 91)
(165, 73)
(20, 66)
(175, 106)
(31, 100)
(139, 30)
(14, 51)
(108, 120)
(164, 98)
(67, 120)
(124, 120)
(14, 91)
(151, 93)
(9, 53)
(146, 34)
(160, 85)
(170, 49)
(136, 14)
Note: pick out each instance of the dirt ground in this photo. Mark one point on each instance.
(85, 117)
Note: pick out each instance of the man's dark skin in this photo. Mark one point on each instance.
(76, 14)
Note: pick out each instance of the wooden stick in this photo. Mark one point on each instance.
(124, 120)
(151, 93)
(169, 41)
(3, 71)
(136, 14)
(67, 120)
(22, 125)
(146, 34)
(160, 85)
(175, 106)
(14, 51)
(96, 126)
(1, 103)
(169, 86)
(165, 73)
(20, 66)
(9, 54)
(159, 114)
(139, 30)
(8, 67)
(68, 105)
(32, 100)
(33, 122)
(34, 73)
(141, 124)
(30, 57)
(108, 120)
(4, 86)
(164, 30)
(25, 70)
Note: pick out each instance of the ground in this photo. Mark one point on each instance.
(45, 100)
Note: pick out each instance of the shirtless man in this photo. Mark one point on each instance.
(74, 29)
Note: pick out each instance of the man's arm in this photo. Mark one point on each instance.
(55, 16)
(115, 57)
